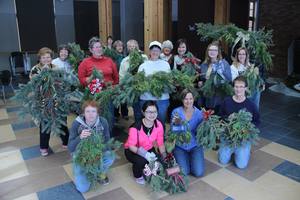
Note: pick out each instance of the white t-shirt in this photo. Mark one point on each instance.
(150, 67)
(64, 65)
(235, 72)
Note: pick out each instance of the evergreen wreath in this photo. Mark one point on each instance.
(46, 97)
(179, 134)
(89, 153)
(166, 176)
(239, 129)
(76, 56)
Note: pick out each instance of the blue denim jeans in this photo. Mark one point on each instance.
(192, 161)
(81, 182)
(255, 98)
(162, 109)
(241, 154)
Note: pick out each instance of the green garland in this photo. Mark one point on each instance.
(46, 99)
(209, 131)
(215, 85)
(135, 60)
(257, 42)
(240, 129)
(76, 55)
(254, 81)
(89, 153)
(132, 87)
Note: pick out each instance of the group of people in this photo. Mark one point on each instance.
(148, 132)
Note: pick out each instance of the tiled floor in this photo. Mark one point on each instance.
(273, 172)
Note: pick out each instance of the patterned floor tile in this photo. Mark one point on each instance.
(40, 164)
(14, 109)
(116, 194)
(6, 133)
(33, 183)
(228, 198)
(3, 114)
(289, 170)
(23, 125)
(261, 143)
(235, 186)
(198, 191)
(33, 152)
(60, 192)
(212, 156)
(210, 167)
(32, 196)
(19, 144)
(26, 133)
(283, 152)
(12, 166)
(278, 186)
(260, 163)
(290, 140)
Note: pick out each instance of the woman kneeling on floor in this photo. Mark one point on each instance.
(189, 156)
(82, 127)
(143, 136)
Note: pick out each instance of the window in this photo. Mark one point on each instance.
(252, 15)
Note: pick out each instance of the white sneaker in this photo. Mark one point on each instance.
(140, 180)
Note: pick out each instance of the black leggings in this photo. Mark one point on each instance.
(138, 162)
(45, 137)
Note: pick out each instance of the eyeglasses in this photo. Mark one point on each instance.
(239, 87)
(151, 112)
(242, 54)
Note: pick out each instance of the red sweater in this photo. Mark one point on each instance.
(103, 64)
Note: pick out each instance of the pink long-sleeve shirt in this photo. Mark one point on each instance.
(156, 136)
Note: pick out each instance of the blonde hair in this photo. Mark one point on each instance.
(44, 51)
(208, 59)
(133, 42)
(236, 58)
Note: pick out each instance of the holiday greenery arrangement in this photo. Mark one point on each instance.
(166, 176)
(191, 64)
(179, 134)
(76, 55)
(257, 42)
(240, 129)
(216, 86)
(129, 89)
(209, 131)
(95, 86)
(135, 60)
(132, 86)
(89, 153)
(254, 81)
(44, 98)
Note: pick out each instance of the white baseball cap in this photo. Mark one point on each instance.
(154, 43)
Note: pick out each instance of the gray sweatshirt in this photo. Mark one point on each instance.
(101, 126)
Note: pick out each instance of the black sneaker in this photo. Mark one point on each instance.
(104, 181)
